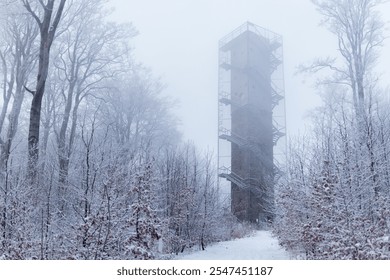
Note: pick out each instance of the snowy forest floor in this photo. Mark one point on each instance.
(260, 245)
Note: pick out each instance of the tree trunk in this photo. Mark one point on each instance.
(63, 154)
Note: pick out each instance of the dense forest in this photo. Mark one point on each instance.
(92, 165)
(334, 200)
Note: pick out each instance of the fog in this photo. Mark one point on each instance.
(92, 165)
(179, 41)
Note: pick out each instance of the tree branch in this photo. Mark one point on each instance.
(26, 4)
(42, 4)
(57, 18)
(29, 90)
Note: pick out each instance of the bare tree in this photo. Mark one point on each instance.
(140, 113)
(17, 54)
(47, 24)
(18, 57)
(91, 52)
(359, 31)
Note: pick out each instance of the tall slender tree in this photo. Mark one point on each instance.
(359, 31)
(48, 24)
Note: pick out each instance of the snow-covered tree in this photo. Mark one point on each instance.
(344, 166)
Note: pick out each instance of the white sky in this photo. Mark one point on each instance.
(179, 40)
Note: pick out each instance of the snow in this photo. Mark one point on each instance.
(259, 246)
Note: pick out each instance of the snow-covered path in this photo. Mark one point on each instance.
(260, 246)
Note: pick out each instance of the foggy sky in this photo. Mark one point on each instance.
(178, 39)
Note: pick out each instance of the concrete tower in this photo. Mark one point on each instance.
(248, 94)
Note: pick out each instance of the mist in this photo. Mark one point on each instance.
(130, 130)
